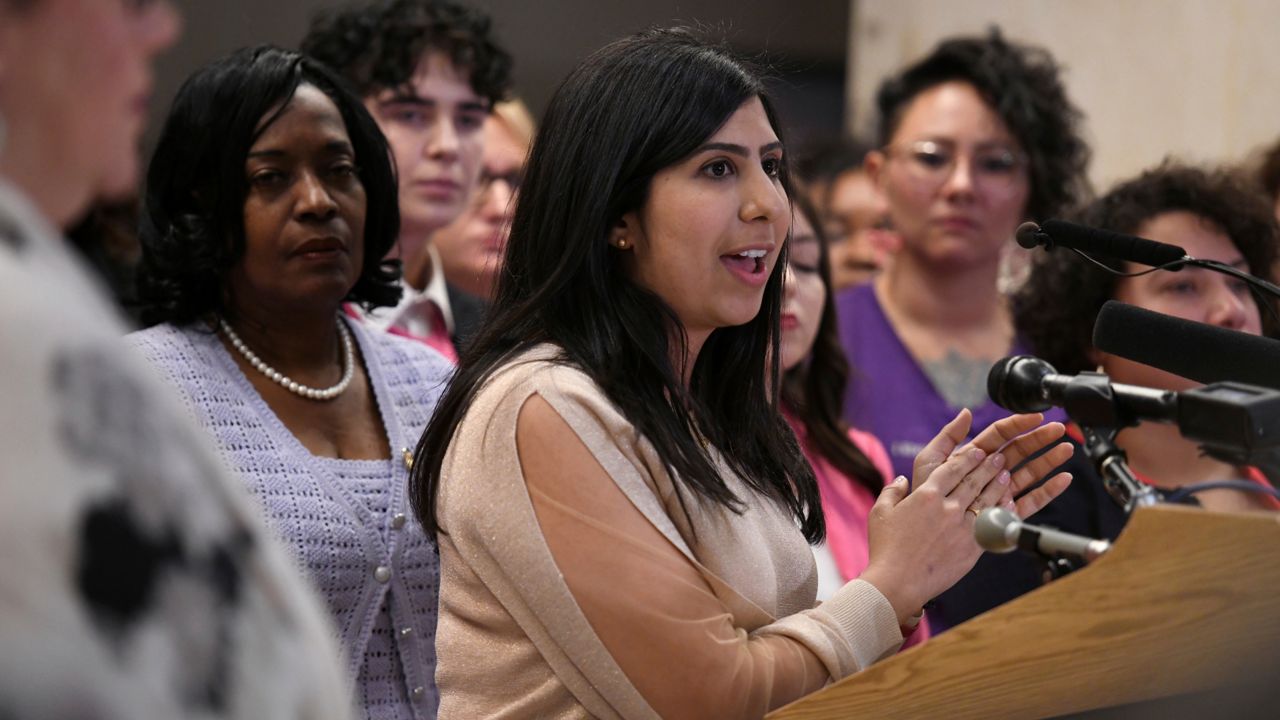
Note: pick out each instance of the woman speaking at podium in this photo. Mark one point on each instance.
(622, 513)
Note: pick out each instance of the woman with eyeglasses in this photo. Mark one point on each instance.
(975, 138)
(471, 247)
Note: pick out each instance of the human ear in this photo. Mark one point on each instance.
(621, 235)
(872, 165)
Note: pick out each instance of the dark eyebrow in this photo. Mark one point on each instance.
(409, 98)
(1240, 263)
(736, 149)
(333, 146)
(406, 98)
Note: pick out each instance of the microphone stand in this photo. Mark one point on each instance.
(1056, 568)
(1121, 484)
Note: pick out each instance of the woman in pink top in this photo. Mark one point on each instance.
(851, 466)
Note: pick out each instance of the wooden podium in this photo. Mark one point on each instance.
(1186, 601)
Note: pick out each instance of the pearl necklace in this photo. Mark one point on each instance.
(329, 393)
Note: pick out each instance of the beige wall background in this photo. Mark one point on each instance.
(1196, 79)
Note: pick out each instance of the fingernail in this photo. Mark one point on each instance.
(997, 460)
(1003, 477)
(1010, 506)
(900, 480)
(978, 454)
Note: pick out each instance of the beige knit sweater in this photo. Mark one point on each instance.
(595, 593)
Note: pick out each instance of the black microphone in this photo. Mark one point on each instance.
(1026, 384)
(999, 530)
(1196, 351)
(1054, 233)
(1227, 418)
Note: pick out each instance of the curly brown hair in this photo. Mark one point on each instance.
(1055, 309)
(1021, 84)
(1269, 172)
(378, 44)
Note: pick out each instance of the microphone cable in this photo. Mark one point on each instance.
(1186, 491)
(1256, 285)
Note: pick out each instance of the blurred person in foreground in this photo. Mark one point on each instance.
(138, 580)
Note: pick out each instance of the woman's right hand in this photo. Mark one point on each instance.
(921, 534)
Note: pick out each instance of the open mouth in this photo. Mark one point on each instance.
(750, 262)
(748, 266)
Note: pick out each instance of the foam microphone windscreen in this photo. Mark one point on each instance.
(1112, 244)
(1196, 351)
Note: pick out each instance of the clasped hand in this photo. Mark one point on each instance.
(921, 532)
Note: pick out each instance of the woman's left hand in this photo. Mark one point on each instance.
(921, 542)
(1014, 439)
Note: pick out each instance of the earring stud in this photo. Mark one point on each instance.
(621, 243)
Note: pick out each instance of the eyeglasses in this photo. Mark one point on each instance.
(932, 163)
(512, 180)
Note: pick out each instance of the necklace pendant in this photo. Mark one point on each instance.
(408, 459)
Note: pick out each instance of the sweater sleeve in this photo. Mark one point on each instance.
(660, 615)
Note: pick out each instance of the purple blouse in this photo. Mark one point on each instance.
(889, 394)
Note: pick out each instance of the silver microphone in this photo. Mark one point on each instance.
(999, 530)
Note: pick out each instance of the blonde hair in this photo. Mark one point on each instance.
(517, 120)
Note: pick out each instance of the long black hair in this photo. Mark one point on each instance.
(192, 226)
(813, 390)
(637, 106)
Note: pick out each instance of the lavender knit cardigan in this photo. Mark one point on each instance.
(361, 546)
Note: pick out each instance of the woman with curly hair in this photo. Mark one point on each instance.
(270, 202)
(975, 138)
(1214, 215)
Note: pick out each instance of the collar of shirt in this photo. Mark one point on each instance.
(401, 315)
